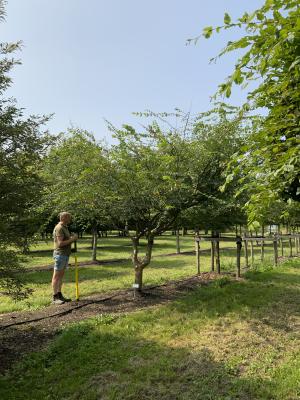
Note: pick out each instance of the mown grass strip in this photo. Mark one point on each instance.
(234, 341)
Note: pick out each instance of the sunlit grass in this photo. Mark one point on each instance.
(99, 279)
(238, 341)
(120, 248)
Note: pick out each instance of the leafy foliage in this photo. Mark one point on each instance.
(10, 284)
(22, 146)
(77, 171)
(217, 135)
(155, 177)
(271, 159)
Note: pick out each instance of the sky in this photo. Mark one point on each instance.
(91, 60)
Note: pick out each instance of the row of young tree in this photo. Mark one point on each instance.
(208, 171)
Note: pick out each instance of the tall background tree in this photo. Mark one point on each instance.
(78, 173)
(22, 147)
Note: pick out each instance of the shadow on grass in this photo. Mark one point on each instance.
(97, 361)
(271, 297)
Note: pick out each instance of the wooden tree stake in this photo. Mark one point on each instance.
(197, 243)
(212, 256)
(275, 252)
(238, 258)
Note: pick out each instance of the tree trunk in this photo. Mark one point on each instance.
(140, 263)
(25, 246)
(177, 242)
(138, 276)
(95, 239)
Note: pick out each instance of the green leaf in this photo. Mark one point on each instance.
(262, 66)
(227, 19)
(222, 188)
(269, 3)
(260, 16)
(237, 77)
(246, 107)
(228, 91)
(229, 178)
(207, 31)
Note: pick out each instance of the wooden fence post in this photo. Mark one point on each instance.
(197, 243)
(262, 244)
(218, 265)
(238, 257)
(212, 256)
(275, 252)
(252, 253)
(291, 247)
(246, 253)
(281, 245)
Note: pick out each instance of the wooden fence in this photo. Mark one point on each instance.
(275, 241)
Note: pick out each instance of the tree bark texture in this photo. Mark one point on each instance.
(95, 240)
(139, 263)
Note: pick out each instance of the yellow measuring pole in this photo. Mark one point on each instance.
(76, 278)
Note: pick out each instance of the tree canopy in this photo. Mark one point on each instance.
(22, 146)
(78, 174)
(271, 159)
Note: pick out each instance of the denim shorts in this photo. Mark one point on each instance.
(60, 262)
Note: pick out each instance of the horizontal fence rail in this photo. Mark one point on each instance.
(245, 241)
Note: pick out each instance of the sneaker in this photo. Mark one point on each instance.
(57, 301)
(64, 299)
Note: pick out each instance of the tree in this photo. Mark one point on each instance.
(79, 176)
(160, 173)
(271, 158)
(22, 146)
(154, 182)
(218, 134)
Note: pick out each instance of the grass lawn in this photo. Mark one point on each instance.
(238, 341)
(116, 248)
(108, 248)
(103, 278)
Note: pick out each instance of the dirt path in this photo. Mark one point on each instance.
(24, 332)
